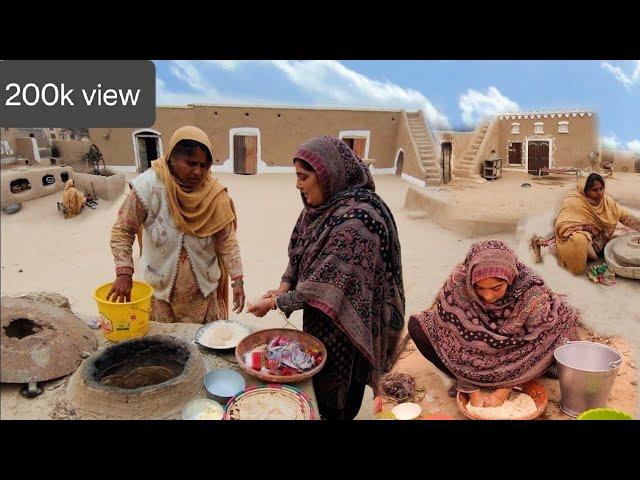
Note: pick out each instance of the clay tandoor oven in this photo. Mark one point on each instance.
(147, 378)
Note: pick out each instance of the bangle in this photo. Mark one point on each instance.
(237, 283)
(273, 302)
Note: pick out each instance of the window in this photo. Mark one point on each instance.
(538, 127)
(53, 136)
(563, 127)
(515, 128)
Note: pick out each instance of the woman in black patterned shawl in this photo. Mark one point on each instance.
(344, 272)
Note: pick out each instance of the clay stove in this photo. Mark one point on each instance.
(147, 378)
(41, 342)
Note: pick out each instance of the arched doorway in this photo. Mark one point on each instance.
(147, 145)
(399, 162)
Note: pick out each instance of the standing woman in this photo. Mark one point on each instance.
(190, 244)
(344, 272)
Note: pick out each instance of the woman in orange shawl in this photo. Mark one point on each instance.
(72, 200)
(189, 224)
(586, 222)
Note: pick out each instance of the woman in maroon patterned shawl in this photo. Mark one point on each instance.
(494, 324)
(345, 273)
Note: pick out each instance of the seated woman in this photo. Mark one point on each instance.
(344, 273)
(494, 325)
(72, 200)
(585, 223)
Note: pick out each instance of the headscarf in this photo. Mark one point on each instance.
(344, 256)
(503, 344)
(201, 211)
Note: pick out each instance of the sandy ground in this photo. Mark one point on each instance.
(473, 208)
(42, 251)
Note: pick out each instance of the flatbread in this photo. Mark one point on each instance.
(266, 406)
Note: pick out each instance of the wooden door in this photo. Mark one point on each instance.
(245, 154)
(515, 153)
(445, 162)
(142, 154)
(537, 156)
(358, 146)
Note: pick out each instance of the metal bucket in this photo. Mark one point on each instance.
(586, 371)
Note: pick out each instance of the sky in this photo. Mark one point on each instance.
(454, 94)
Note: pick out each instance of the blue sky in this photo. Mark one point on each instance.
(453, 94)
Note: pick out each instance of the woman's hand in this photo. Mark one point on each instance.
(238, 299)
(121, 289)
(494, 398)
(261, 308)
(497, 397)
(477, 398)
(283, 288)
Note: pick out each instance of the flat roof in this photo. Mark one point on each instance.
(546, 113)
(290, 107)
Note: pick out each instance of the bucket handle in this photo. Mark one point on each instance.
(142, 310)
(615, 364)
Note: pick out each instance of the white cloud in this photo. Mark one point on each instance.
(634, 146)
(610, 142)
(475, 105)
(205, 92)
(627, 80)
(228, 65)
(188, 73)
(331, 82)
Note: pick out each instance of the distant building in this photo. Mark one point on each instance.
(258, 139)
(526, 141)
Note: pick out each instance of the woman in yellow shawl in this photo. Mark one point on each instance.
(72, 200)
(189, 228)
(585, 223)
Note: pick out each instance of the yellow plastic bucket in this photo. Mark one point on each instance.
(120, 321)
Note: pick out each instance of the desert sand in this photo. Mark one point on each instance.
(40, 250)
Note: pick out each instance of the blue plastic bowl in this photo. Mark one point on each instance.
(223, 383)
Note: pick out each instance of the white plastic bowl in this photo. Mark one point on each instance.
(195, 407)
(407, 411)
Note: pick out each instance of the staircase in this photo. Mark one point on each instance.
(468, 167)
(426, 149)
